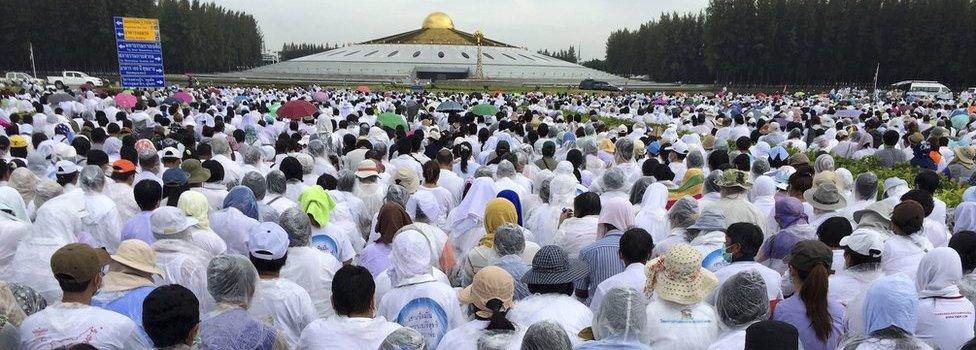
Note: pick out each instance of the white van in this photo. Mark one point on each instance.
(923, 88)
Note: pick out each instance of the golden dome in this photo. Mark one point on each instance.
(438, 20)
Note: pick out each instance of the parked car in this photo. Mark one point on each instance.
(16, 78)
(590, 84)
(922, 88)
(73, 78)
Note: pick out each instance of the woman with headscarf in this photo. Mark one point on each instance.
(965, 216)
(14, 226)
(677, 315)
(376, 256)
(710, 190)
(577, 229)
(692, 184)
(231, 281)
(239, 215)
(416, 292)
(466, 221)
(652, 215)
(488, 300)
(890, 317)
(682, 215)
(793, 228)
(763, 195)
(194, 205)
(498, 212)
(904, 250)
(742, 301)
(945, 317)
(429, 219)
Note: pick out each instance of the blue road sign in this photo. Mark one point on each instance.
(140, 52)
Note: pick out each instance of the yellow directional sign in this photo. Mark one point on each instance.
(140, 29)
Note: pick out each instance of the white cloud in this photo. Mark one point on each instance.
(540, 24)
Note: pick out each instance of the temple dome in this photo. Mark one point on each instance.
(438, 20)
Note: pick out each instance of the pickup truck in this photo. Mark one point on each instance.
(73, 78)
(15, 78)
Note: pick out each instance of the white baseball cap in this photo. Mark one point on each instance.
(170, 152)
(65, 167)
(864, 242)
(267, 241)
(168, 220)
(679, 147)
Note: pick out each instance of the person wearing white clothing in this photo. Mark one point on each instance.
(742, 301)
(679, 318)
(550, 280)
(635, 249)
(277, 302)
(181, 261)
(448, 179)
(14, 226)
(652, 214)
(354, 325)
(578, 230)
(418, 300)
(903, 251)
(101, 219)
(742, 242)
(78, 271)
(308, 267)
(862, 250)
(945, 317)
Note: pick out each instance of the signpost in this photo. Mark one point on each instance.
(140, 53)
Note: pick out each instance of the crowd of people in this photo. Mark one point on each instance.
(416, 220)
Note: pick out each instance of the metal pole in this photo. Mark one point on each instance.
(33, 68)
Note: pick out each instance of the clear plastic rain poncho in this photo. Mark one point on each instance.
(742, 300)
(619, 322)
(276, 182)
(562, 191)
(546, 335)
(25, 182)
(889, 315)
(404, 338)
(231, 279)
(56, 224)
(639, 188)
(101, 219)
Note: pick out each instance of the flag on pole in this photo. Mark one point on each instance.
(874, 91)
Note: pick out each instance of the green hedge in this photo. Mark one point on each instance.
(949, 192)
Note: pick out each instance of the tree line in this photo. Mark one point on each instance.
(79, 35)
(568, 55)
(292, 50)
(804, 42)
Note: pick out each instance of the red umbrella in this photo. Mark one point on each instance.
(363, 88)
(296, 109)
(183, 96)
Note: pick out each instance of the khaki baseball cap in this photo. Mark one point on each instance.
(76, 263)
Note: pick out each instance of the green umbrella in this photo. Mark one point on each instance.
(391, 120)
(273, 108)
(484, 110)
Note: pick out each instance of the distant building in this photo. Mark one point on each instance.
(436, 51)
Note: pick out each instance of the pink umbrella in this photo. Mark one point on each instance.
(320, 96)
(125, 100)
(183, 96)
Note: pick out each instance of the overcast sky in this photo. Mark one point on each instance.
(539, 24)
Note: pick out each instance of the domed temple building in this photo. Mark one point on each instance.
(436, 51)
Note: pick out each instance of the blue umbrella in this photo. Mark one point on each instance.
(240, 98)
(449, 106)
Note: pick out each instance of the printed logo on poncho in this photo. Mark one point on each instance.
(425, 316)
(714, 260)
(326, 244)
